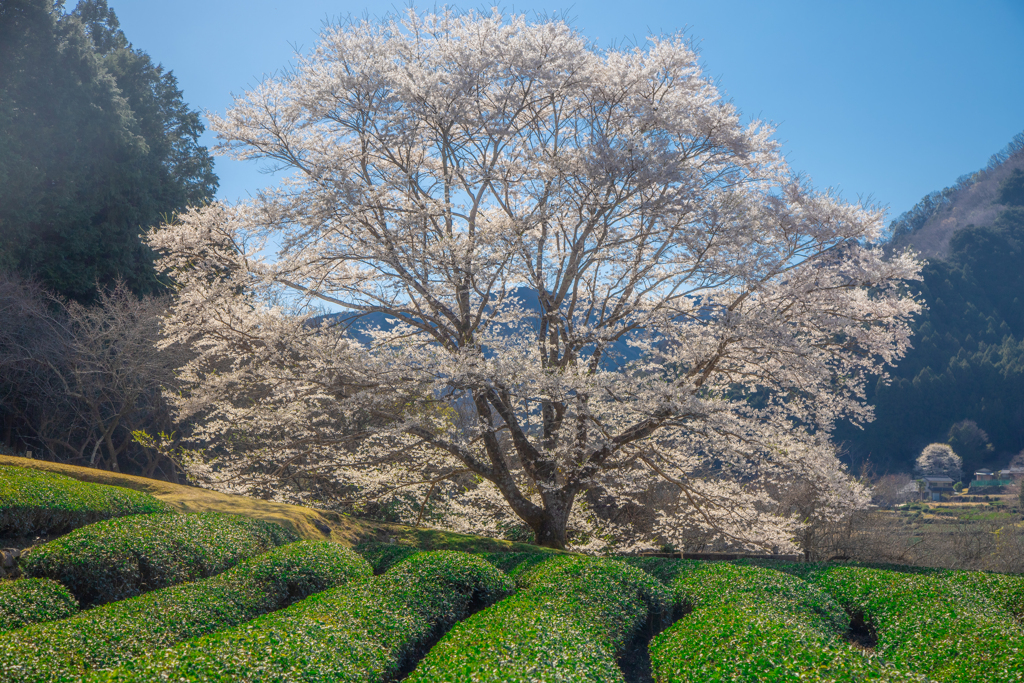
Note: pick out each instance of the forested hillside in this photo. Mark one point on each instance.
(96, 146)
(963, 383)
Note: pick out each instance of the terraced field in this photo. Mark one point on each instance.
(140, 593)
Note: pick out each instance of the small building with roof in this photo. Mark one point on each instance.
(1012, 473)
(935, 487)
(984, 475)
(988, 482)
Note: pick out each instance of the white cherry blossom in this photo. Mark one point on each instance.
(586, 277)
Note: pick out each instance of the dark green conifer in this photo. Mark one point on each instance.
(96, 145)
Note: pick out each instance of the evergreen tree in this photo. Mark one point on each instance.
(96, 145)
(1011, 192)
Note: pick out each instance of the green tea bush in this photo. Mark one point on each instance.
(570, 621)
(384, 556)
(805, 570)
(368, 631)
(931, 624)
(30, 601)
(664, 569)
(37, 502)
(109, 635)
(517, 564)
(1007, 591)
(120, 558)
(755, 624)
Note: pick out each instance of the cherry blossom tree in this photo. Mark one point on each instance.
(566, 274)
(939, 460)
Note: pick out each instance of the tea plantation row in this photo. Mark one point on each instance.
(221, 598)
(38, 502)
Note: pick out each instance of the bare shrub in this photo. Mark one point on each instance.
(954, 543)
(77, 381)
(893, 489)
(880, 536)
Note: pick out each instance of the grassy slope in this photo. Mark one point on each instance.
(306, 522)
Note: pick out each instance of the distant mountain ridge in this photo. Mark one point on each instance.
(617, 354)
(928, 227)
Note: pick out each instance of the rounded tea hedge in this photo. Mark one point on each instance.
(120, 558)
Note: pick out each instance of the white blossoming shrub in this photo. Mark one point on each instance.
(939, 460)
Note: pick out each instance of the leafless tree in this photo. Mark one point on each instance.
(893, 489)
(30, 345)
(78, 381)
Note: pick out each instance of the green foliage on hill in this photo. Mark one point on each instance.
(518, 564)
(96, 145)
(1005, 590)
(31, 601)
(752, 624)
(112, 634)
(120, 558)
(38, 502)
(935, 625)
(1011, 193)
(967, 364)
(362, 632)
(570, 620)
(384, 556)
(664, 569)
(512, 560)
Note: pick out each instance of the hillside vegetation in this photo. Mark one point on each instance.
(963, 382)
(974, 199)
(98, 146)
(316, 611)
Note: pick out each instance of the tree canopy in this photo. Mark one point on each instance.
(446, 164)
(96, 145)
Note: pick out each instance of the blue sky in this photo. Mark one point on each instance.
(887, 100)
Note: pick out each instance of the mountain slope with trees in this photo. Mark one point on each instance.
(96, 145)
(974, 199)
(963, 382)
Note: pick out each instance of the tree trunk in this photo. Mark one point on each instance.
(549, 534)
(549, 530)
